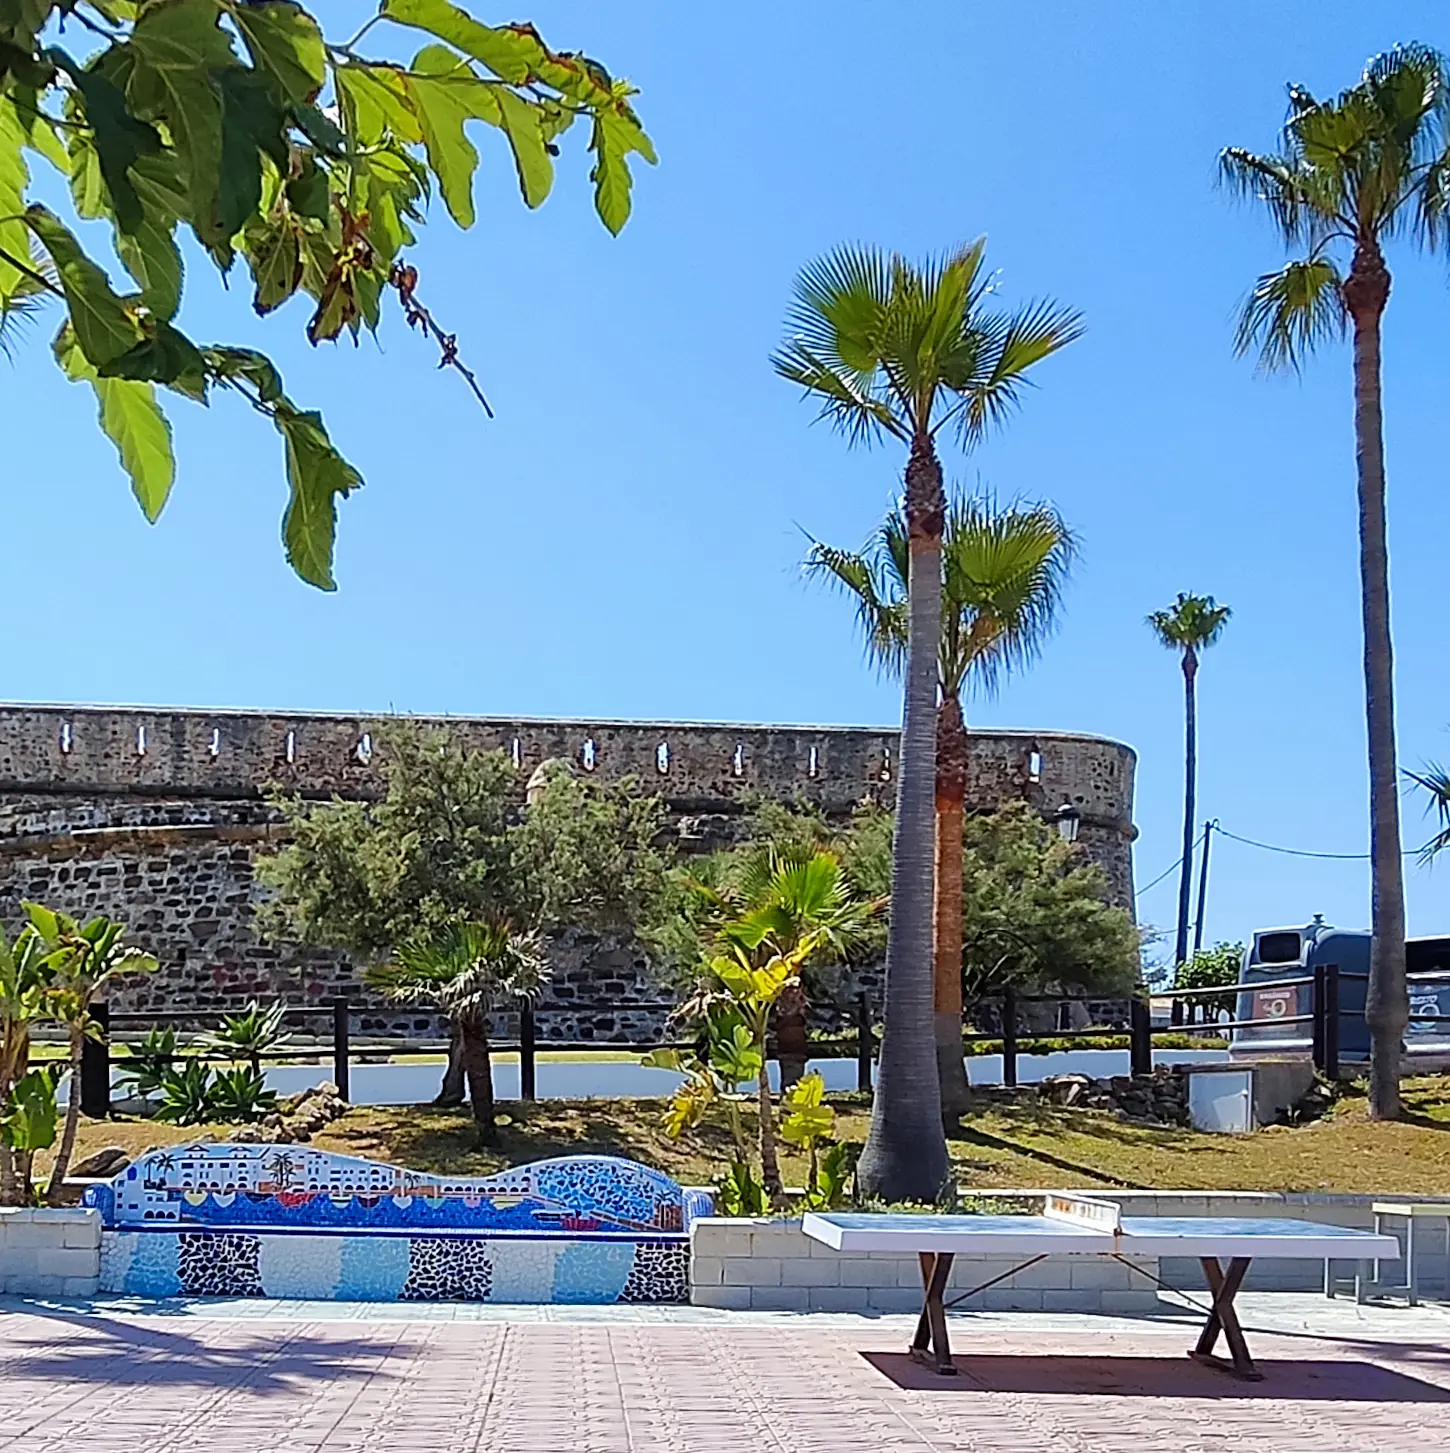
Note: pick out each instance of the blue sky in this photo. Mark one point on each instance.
(624, 538)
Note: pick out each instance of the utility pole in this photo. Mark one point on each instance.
(1208, 828)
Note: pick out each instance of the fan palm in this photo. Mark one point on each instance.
(466, 970)
(1353, 173)
(772, 899)
(892, 348)
(1189, 626)
(1003, 571)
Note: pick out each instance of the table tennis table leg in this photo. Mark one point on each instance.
(930, 1346)
(1224, 1284)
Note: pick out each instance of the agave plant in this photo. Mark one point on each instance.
(251, 1034)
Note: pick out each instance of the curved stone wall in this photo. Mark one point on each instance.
(154, 816)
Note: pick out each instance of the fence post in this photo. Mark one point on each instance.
(340, 1065)
(95, 1086)
(865, 1043)
(1317, 1009)
(1140, 1036)
(1009, 1037)
(1331, 1021)
(527, 1043)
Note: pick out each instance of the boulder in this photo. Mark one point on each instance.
(100, 1165)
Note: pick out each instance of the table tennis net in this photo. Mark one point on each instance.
(1084, 1211)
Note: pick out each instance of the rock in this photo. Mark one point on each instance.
(100, 1165)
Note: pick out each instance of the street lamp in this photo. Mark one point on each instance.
(1067, 818)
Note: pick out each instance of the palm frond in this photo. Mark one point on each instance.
(1435, 781)
(1004, 570)
(465, 967)
(870, 579)
(1191, 623)
(1290, 311)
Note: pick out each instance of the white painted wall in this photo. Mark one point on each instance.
(49, 1252)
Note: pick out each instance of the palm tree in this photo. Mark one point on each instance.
(466, 970)
(1189, 626)
(1353, 173)
(767, 900)
(888, 347)
(1003, 571)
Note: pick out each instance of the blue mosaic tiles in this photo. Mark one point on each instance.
(289, 1221)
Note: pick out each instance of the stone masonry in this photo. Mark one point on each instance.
(155, 817)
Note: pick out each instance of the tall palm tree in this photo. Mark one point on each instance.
(1353, 173)
(1003, 571)
(466, 970)
(889, 347)
(1189, 626)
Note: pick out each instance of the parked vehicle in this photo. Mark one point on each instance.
(1284, 1012)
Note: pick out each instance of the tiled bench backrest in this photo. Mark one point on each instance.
(282, 1186)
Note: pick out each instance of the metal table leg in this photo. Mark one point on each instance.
(1224, 1284)
(930, 1346)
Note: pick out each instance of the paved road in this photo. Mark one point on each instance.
(268, 1378)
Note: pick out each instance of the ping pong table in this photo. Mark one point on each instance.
(1083, 1226)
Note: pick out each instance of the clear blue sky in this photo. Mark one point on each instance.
(624, 539)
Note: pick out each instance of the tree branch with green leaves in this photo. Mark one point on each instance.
(239, 122)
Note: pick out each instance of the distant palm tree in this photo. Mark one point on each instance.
(465, 971)
(1003, 571)
(887, 346)
(1189, 626)
(1353, 173)
(1435, 782)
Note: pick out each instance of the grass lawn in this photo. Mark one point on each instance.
(1007, 1143)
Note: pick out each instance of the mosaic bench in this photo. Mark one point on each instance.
(290, 1221)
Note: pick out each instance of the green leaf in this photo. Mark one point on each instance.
(14, 179)
(321, 130)
(508, 53)
(307, 192)
(276, 263)
(38, 127)
(30, 1118)
(531, 156)
(445, 94)
(251, 125)
(377, 101)
(247, 363)
(178, 49)
(286, 46)
(132, 421)
(318, 474)
(168, 357)
(104, 329)
(150, 255)
(120, 139)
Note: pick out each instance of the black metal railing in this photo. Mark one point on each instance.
(1324, 1018)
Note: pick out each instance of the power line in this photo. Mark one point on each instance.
(1304, 853)
(1166, 871)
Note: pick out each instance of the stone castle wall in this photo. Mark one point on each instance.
(155, 817)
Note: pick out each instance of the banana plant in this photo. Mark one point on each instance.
(26, 998)
(83, 960)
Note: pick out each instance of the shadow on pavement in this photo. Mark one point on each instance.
(1165, 1377)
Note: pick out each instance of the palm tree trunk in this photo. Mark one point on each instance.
(451, 1091)
(769, 1163)
(951, 794)
(9, 1178)
(1387, 1007)
(72, 1122)
(1190, 792)
(792, 1043)
(478, 1071)
(905, 1156)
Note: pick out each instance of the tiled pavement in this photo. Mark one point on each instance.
(117, 1376)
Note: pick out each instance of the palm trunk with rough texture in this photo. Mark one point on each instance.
(1387, 1006)
(72, 1122)
(769, 1163)
(9, 1178)
(905, 1156)
(1190, 792)
(951, 795)
(451, 1091)
(478, 1070)
(792, 1043)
